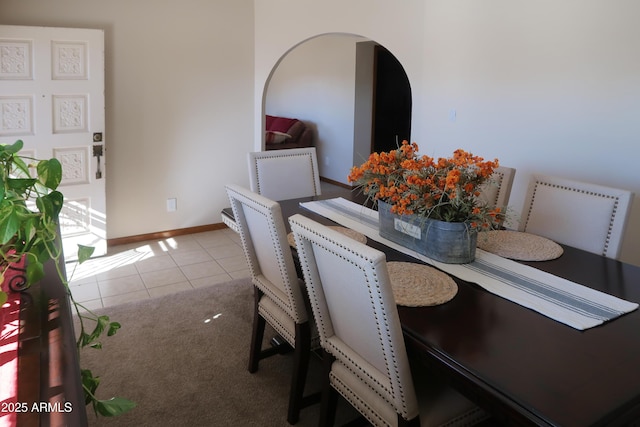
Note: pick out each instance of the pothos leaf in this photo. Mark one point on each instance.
(50, 204)
(84, 253)
(113, 328)
(20, 165)
(21, 185)
(50, 173)
(13, 148)
(35, 271)
(114, 406)
(91, 340)
(9, 224)
(90, 383)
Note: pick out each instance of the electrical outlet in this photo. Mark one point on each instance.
(172, 204)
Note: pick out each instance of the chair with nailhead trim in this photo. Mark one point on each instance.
(360, 333)
(281, 175)
(278, 292)
(497, 191)
(583, 215)
(285, 174)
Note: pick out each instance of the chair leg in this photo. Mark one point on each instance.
(329, 395)
(257, 335)
(415, 422)
(301, 355)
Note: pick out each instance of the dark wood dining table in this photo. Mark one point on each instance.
(521, 366)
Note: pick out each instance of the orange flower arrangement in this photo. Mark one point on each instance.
(445, 189)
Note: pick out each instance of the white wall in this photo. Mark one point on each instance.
(550, 87)
(179, 102)
(315, 83)
(547, 86)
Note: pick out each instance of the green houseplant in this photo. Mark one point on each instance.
(29, 208)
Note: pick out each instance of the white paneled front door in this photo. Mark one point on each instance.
(52, 98)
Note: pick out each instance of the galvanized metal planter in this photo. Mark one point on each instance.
(448, 242)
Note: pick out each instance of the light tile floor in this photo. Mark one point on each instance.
(159, 267)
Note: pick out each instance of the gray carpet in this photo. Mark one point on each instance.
(183, 360)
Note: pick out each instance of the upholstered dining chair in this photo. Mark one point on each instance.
(360, 333)
(285, 174)
(281, 175)
(583, 215)
(279, 298)
(229, 220)
(498, 191)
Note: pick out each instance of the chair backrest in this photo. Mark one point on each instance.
(355, 311)
(497, 191)
(586, 216)
(264, 240)
(285, 174)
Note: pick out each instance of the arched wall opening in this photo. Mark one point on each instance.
(329, 82)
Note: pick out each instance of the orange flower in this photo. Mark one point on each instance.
(453, 177)
(445, 189)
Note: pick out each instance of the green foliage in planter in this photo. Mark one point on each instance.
(29, 210)
(23, 229)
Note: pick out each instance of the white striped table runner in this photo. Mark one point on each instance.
(562, 300)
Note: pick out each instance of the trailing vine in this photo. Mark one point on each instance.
(30, 205)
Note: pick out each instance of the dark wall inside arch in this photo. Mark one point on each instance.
(392, 102)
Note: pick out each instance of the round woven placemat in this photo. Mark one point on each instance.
(355, 235)
(418, 285)
(518, 245)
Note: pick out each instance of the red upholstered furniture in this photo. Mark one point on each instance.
(283, 132)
